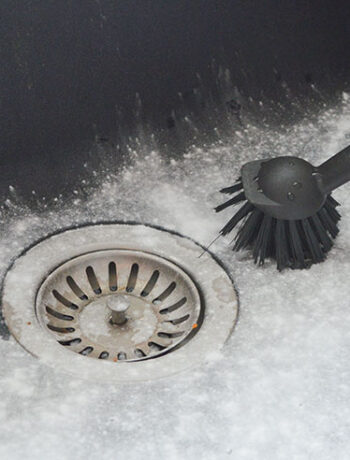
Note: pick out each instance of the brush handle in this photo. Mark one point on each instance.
(335, 171)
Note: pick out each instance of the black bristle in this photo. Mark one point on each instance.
(236, 199)
(321, 232)
(271, 248)
(247, 233)
(296, 244)
(315, 250)
(233, 189)
(292, 243)
(240, 214)
(327, 222)
(281, 242)
(332, 201)
(262, 242)
(333, 213)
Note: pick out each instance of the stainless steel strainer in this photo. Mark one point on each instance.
(160, 305)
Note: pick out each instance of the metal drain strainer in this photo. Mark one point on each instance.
(138, 300)
(155, 303)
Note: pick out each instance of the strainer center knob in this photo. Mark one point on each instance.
(118, 306)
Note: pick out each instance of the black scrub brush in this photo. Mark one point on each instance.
(288, 213)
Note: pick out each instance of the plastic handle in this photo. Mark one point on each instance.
(335, 171)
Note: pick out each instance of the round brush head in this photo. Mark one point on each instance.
(285, 214)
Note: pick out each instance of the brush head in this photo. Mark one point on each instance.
(285, 213)
(285, 187)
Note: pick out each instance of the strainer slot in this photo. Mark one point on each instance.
(112, 272)
(76, 289)
(174, 307)
(86, 351)
(179, 320)
(168, 335)
(58, 315)
(155, 346)
(151, 283)
(64, 301)
(61, 330)
(165, 293)
(70, 342)
(90, 273)
(132, 278)
(121, 356)
(104, 355)
(139, 353)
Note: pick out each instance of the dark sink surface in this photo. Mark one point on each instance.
(78, 77)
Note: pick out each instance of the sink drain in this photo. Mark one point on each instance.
(119, 302)
(120, 305)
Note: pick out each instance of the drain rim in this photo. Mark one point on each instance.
(217, 289)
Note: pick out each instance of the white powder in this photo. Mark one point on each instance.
(281, 388)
